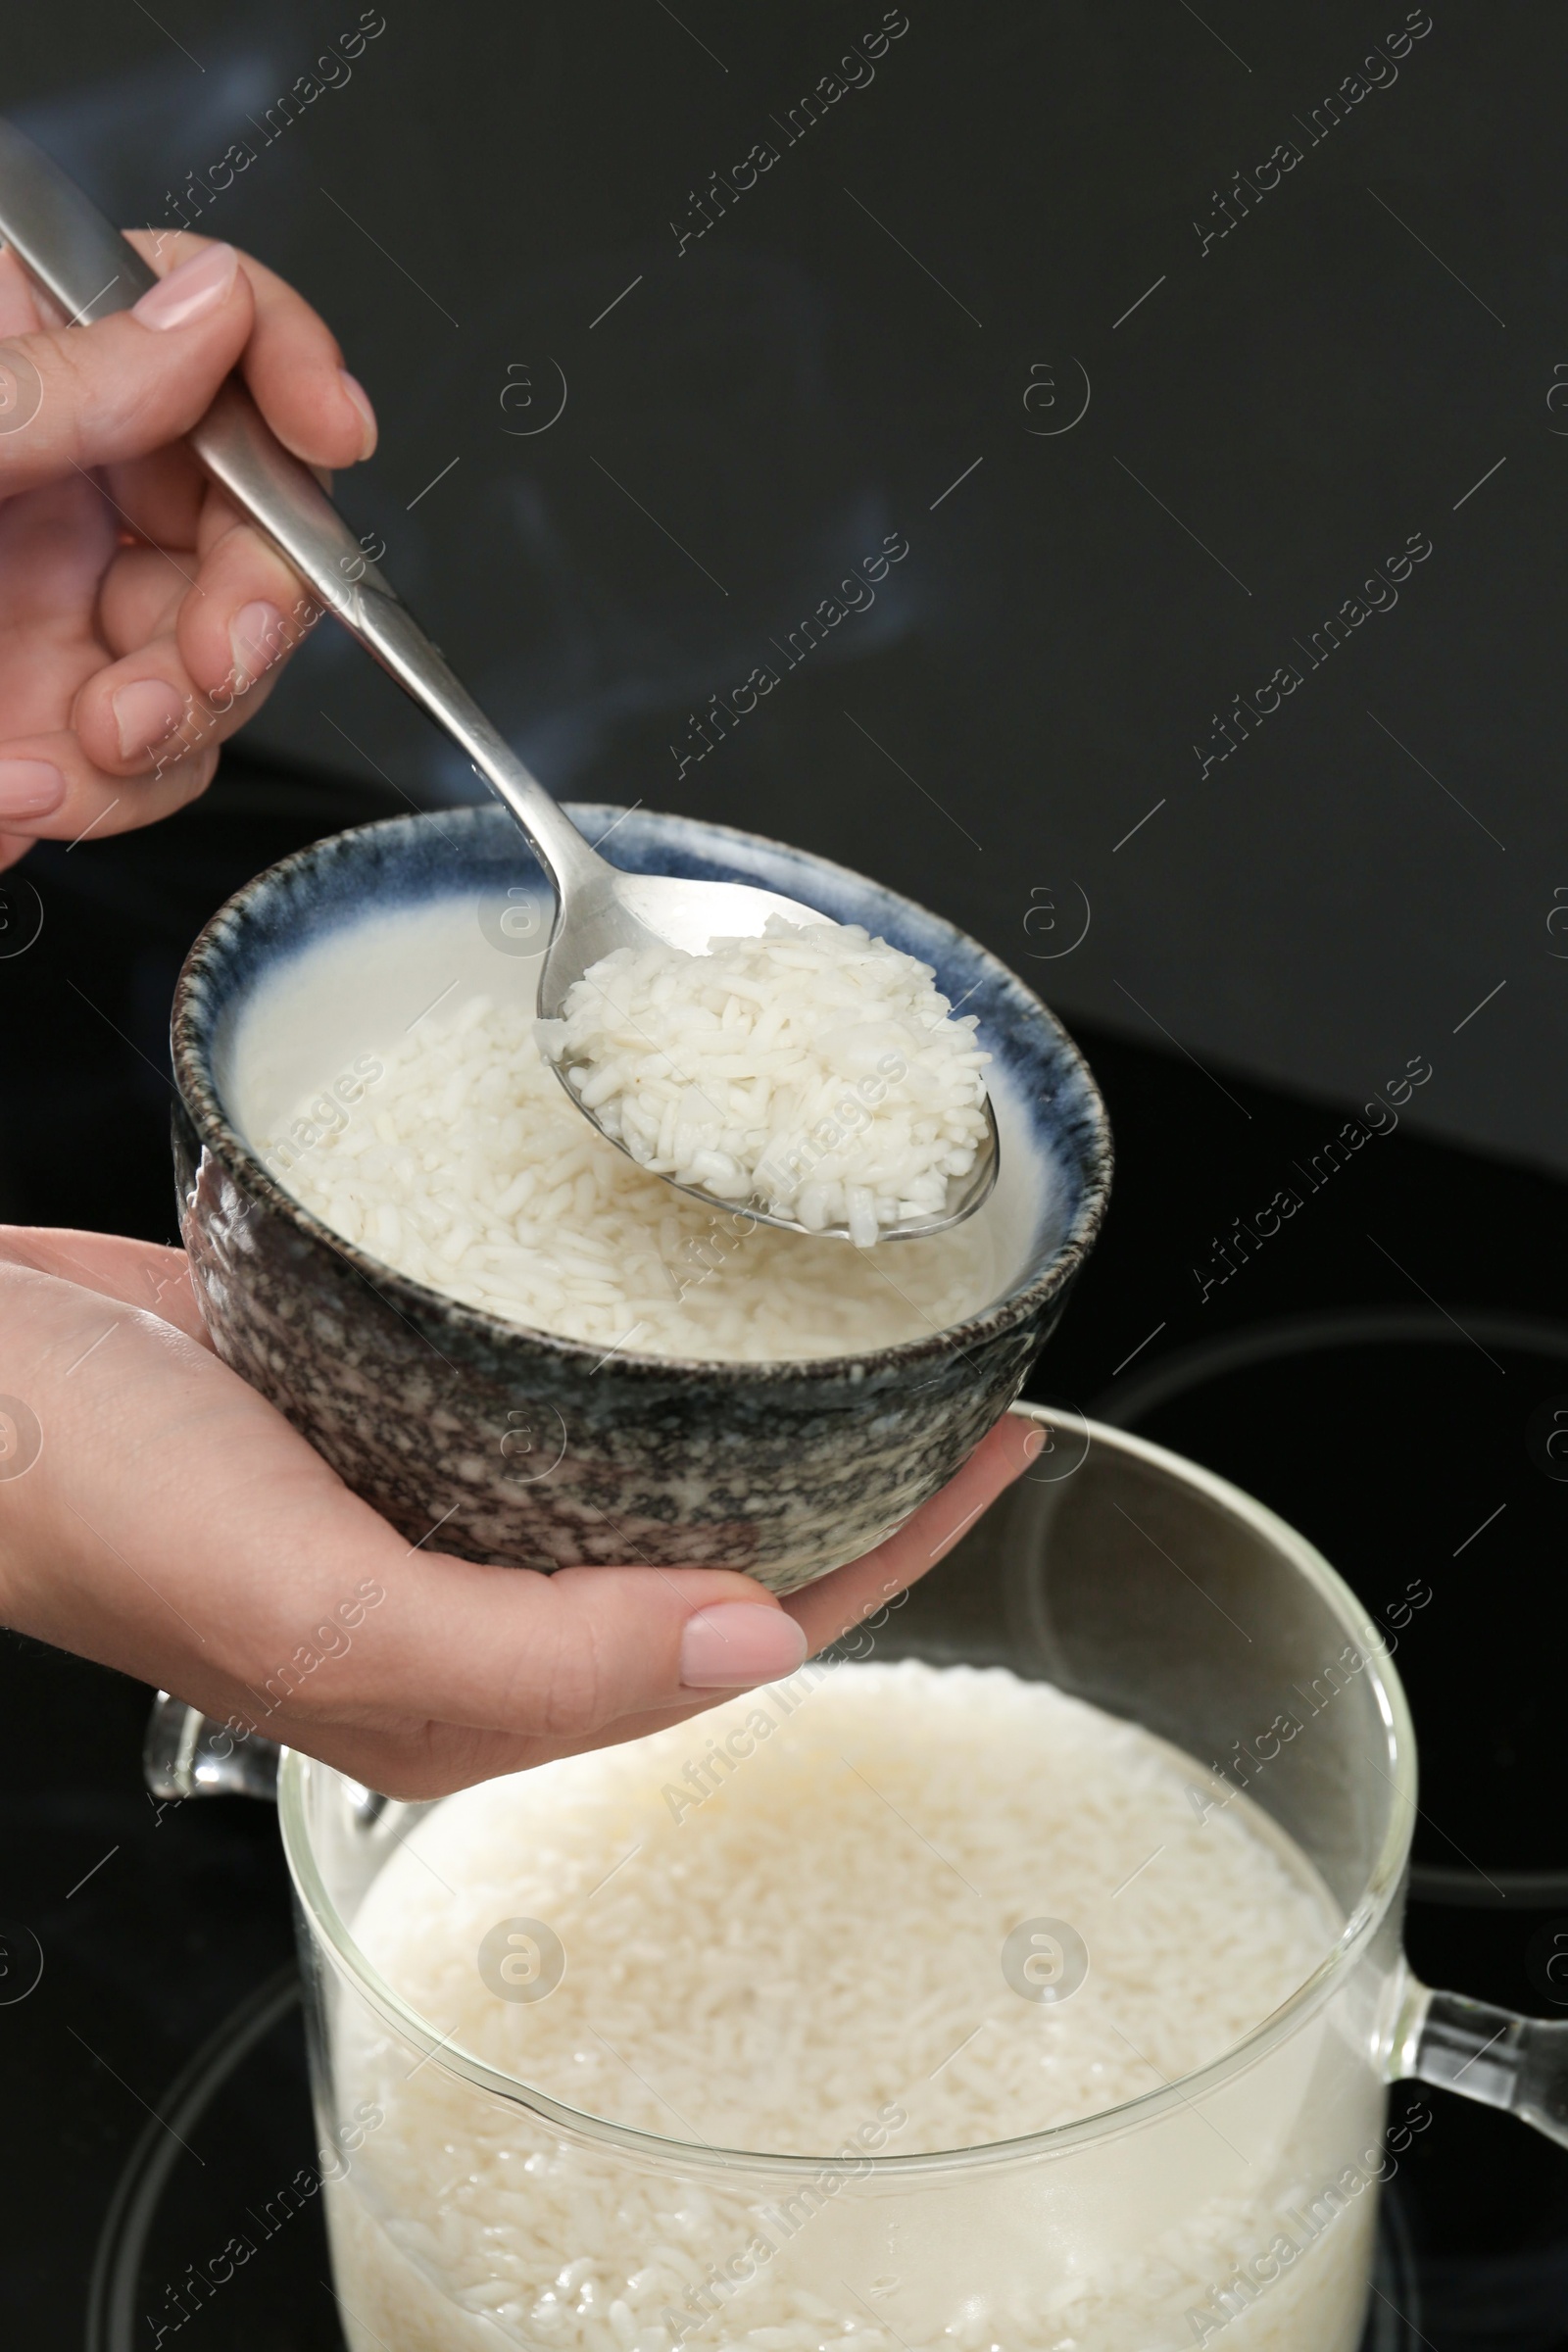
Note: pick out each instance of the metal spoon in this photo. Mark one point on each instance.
(90, 270)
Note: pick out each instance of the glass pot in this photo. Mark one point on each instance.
(1239, 2199)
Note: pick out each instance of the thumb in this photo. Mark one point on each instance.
(84, 396)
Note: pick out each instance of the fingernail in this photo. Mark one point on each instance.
(255, 639)
(1033, 1444)
(362, 400)
(738, 1643)
(145, 712)
(30, 786)
(189, 292)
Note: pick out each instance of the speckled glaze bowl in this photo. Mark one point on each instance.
(514, 1447)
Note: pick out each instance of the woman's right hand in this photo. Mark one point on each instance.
(142, 619)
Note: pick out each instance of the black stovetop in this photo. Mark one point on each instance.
(1382, 1365)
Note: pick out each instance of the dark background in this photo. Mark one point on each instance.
(857, 331)
(1277, 939)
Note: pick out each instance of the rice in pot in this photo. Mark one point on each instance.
(785, 1926)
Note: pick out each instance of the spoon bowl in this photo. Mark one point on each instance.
(640, 910)
(84, 263)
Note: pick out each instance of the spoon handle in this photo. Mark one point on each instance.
(66, 244)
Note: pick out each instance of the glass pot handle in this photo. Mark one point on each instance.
(1495, 2056)
(186, 1753)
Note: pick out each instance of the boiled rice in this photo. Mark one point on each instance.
(463, 1164)
(814, 1069)
(782, 1922)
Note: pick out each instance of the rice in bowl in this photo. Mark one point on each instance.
(442, 1145)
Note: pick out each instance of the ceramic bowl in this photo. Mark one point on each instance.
(506, 1444)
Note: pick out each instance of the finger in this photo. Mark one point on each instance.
(427, 1759)
(417, 1758)
(189, 691)
(21, 312)
(292, 362)
(140, 1274)
(51, 791)
(564, 1656)
(613, 1652)
(350, 1697)
(250, 612)
(431, 1758)
(140, 596)
(88, 396)
(836, 1604)
(295, 370)
(56, 543)
(162, 496)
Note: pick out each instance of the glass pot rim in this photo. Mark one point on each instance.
(334, 1939)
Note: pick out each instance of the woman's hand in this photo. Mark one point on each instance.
(141, 622)
(174, 1526)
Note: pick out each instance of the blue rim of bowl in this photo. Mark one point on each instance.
(215, 1132)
